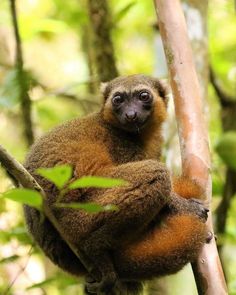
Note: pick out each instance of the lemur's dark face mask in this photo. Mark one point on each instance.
(132, 110)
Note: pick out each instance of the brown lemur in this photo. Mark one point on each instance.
(158, 228)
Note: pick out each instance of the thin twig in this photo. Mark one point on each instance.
(225, 99)
(19, 272)
(22, 79)
(75, 98)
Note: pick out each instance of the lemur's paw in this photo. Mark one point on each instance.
(209, 237)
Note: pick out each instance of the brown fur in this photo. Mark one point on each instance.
(154, 232)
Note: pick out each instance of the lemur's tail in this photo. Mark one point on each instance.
(186, 188)
(162, 251)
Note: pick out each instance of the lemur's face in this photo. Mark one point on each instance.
(132, 109)
(130, 101)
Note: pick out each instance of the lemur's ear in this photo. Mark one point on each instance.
(163, 89)
(105, 89)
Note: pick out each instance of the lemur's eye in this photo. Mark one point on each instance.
(144, 96)
(117, 99)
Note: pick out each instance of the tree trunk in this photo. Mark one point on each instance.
(192, 131)
(196, 19)
(102, 41)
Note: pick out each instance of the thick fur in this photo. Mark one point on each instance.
(154, 232)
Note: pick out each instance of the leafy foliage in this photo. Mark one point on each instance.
(52, 33)
(95, 181)
(41, 284)
(10, 91)
(222, 45)
(24, 196)
(9, 259)
(59, 175)
(18, 233)
(119, 15)
(226, 148)
(59, 279)
(88, 207)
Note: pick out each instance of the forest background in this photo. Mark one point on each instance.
(62, 75)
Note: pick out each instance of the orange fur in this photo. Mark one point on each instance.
(108, 115)
(178, 238)
(187, 188)
(171, 234)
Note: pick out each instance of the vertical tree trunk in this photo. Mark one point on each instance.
(192, 131)
(22, 80)
(104, 51)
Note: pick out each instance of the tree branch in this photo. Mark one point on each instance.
(192, 131)
(26, 180)
(101, 26)
(22, 80)
(225, 99)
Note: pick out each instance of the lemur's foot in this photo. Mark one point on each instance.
(106, 286)
(197, 206)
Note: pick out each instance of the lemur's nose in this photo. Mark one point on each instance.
(131, 116)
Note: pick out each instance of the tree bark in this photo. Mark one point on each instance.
(192, 131)
(102, 41)
(25, 101)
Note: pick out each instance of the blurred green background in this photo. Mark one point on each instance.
(62, 78)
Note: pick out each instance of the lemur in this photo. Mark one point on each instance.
(159, 225)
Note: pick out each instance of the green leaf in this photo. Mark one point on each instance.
(18, 233)
(10, 90)
(123, 11)
(226, 148)
(88, 207)
(95, 181)
(9, 259)
(41, 284)
(64, 280)
(32, 26)
(59, 175)
(24, 196)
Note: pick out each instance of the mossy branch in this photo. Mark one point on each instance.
(101, 26)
